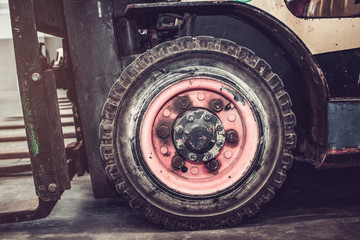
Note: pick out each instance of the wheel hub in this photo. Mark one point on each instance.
(198, 135)
(195, 134)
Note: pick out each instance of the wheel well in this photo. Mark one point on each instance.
(248, 36)
(275, 43)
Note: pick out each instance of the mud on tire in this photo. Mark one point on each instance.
(244, 179)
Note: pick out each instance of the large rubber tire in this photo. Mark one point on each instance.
(197, 59)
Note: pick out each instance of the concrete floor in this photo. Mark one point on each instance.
(314, 204)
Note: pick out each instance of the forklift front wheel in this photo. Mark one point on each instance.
(197, 133)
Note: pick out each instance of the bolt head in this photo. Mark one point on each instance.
(208, 156)
(192, 156)
(187, 131)
(232, 136)
(207, 117)
(177, 162)
(190, 117)
(216, 105)
(180, 145)
(36, 77)
(179, 129)
(52, 187)
(212, 165)
(183, 102)
(219, 128)
(220, 143)
(163, 131)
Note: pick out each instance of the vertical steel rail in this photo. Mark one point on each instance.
(41, 115)
(33, 93)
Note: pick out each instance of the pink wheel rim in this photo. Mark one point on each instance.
(235, 158)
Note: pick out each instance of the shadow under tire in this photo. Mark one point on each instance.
(197, 133)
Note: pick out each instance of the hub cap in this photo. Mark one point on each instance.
(199, 136)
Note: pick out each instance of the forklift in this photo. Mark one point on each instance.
(193, 111)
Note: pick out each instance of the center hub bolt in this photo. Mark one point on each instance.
(192, 156)
(207, 117)
(180, 145)
(179, 129)
(198, 135)
(208, 156)
(190, 117)
(212, 165)
(220, 143)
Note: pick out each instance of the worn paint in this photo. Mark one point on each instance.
(32, 137)
(237, 96)
(328, 32)
(344, 151)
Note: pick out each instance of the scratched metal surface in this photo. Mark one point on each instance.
(344, 125)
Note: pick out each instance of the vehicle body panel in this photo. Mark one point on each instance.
(319, 35)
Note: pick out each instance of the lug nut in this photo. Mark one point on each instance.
(212, 165)
(231, 136)
(192, 156)
(216, 105)
(183, 102)
(177, 162)
(163, 131)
